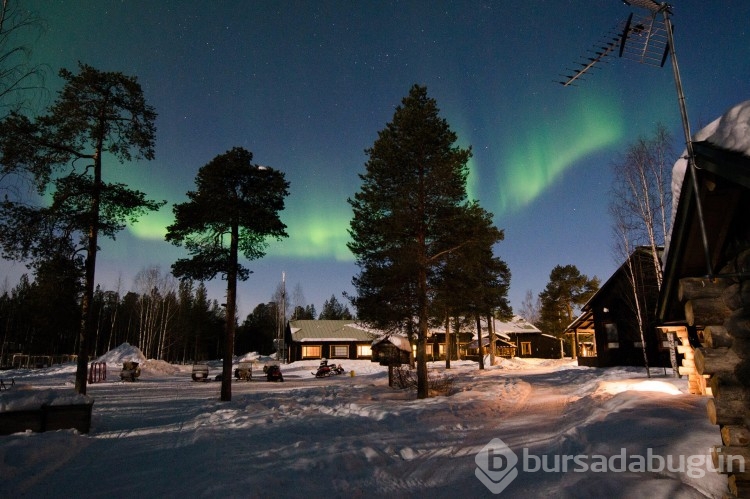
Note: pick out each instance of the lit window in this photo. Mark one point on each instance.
(311, 351)
(525, 348)
(339, 351)
(364, 351)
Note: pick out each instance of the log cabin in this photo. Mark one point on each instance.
(607, 332)
(705, 296)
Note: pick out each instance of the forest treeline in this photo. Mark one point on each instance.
(165, 318)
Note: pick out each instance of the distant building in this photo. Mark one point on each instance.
(607, 331)
(528, 339)
(329, 339)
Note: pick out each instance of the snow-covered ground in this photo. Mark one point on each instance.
(353, 436)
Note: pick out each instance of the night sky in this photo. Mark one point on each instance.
(307, 85)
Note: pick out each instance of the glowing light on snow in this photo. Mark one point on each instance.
(615, 387)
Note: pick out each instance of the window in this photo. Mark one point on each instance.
(311, 351)
(441, 349)
(428, 349)
(613, 340)
(364, 351)
(339, 351)
(525, 348)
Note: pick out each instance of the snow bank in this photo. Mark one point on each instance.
(124, 353)
(23, 397)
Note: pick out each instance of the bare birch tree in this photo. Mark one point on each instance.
(640, 207)
(641, 193)
(20, 79)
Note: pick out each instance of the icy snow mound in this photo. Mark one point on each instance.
(124, 353)
(159, 367)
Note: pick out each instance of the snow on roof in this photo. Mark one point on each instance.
(517, 325)
(730, 131)
(402, 342)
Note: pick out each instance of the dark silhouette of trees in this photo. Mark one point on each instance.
(20, 80)
(334, 310)
(473, 281)
(258, 332)
(234, 210)
(303, 313)
(98, 116)
(566, 291)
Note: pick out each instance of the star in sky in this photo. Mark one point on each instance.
(306, 86)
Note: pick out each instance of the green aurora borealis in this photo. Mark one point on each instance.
(307, 86)
(318, 219)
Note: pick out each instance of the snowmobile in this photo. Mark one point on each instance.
(324, 370)
(130, 371)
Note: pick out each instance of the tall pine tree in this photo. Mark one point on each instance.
(234, 210)
(97, 117)
(413, 191)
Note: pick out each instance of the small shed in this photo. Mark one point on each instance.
(391, 350)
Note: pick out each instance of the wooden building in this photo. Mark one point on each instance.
(705, 296)
(608, 333)
(391, 350)
(528, 340)
(328, 339)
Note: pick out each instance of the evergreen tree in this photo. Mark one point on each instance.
(474, 282)
(565, 293)
(257, 332)
(97, 115)
(414, 185)
(234, 210)
(303, 313)
(334, 310)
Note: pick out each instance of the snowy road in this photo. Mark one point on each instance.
(166, 436)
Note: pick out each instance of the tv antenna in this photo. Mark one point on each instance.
(648, 38)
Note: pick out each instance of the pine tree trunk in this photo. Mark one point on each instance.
(491, 330)
(479, 342)
(226, 378)
(87, 330)
(448, 349)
